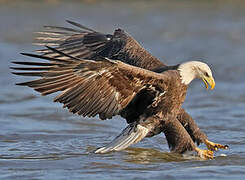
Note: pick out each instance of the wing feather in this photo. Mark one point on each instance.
(87, 43)
(89, 87)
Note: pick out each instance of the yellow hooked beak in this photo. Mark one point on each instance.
(210, 81)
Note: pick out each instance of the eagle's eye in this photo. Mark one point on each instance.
(206, 74)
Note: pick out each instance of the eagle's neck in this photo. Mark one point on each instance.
(188, 72)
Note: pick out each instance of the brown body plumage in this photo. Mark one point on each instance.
(149, 99)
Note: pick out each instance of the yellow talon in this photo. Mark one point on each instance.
(205, 154)
(214, 146)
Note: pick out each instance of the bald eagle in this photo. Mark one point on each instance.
(111, 74)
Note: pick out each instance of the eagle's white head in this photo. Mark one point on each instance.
(196, 69)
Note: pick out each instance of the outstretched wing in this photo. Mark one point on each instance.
(88, 44)
(88, 87)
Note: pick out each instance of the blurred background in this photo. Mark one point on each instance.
(40, 140)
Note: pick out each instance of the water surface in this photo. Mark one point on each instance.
(40, 140)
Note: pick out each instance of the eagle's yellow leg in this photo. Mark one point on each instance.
(204, 153)
(214, 146)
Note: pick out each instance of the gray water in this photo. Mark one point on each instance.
(40, 140)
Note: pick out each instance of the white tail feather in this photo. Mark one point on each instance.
(130, 135)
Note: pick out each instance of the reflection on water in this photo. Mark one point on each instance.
(39, 139)
(148, 156)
